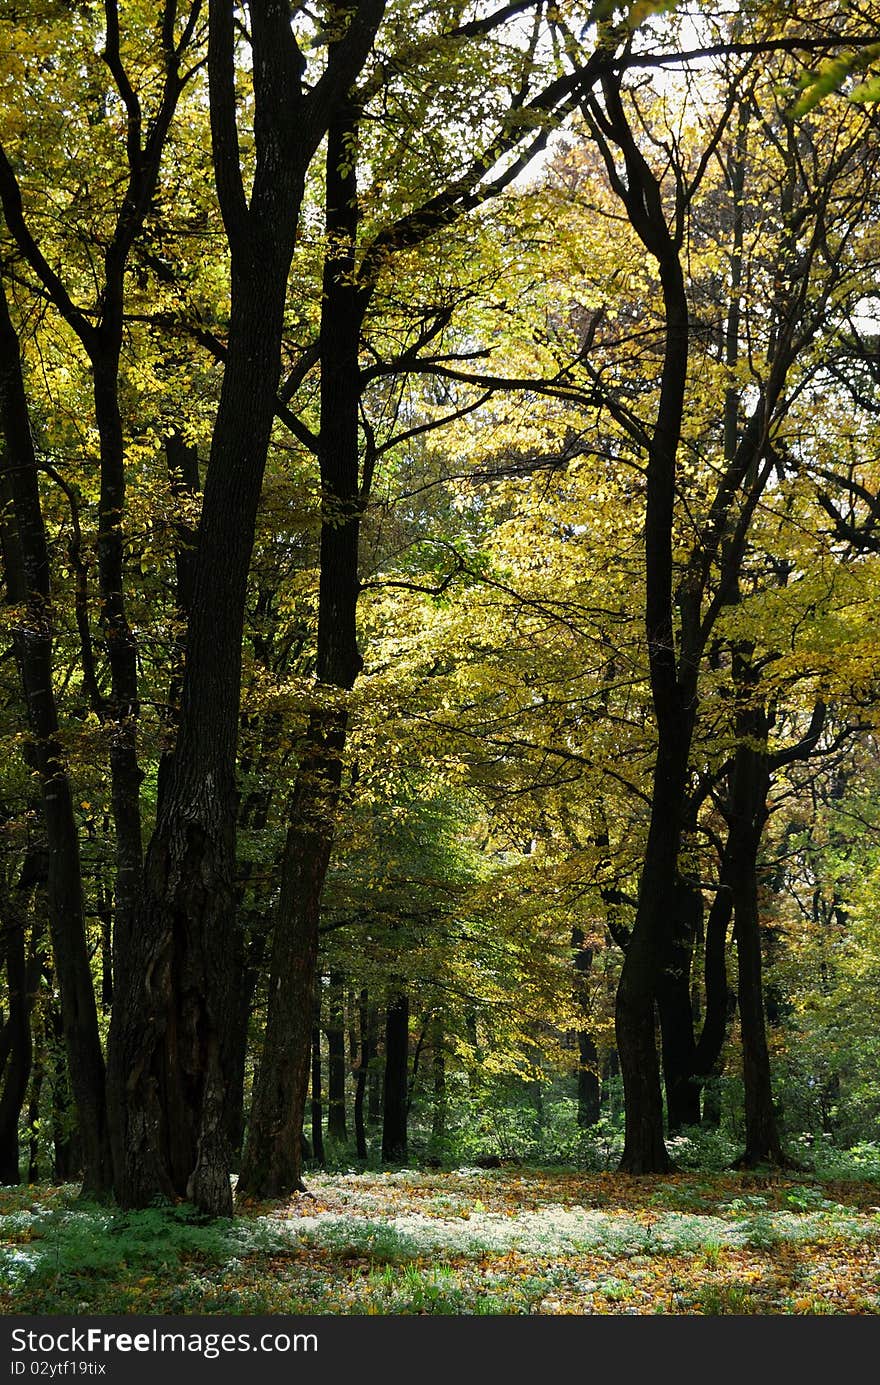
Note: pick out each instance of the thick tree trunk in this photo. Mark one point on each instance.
(673, 685)
(648, 952)
(26, 563)
(273, 1158)
(171, 1041)
(394, 1087)
(273, 1163)
(33, 1112)
(182, 460)
(336, 1064)
(676, 1013)
(716, 1011)
(122, 709)
(169, 1051)
(589, 1088)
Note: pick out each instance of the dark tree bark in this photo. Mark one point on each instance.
(676, 1012)
(102, 339)
(716, 1011)
(374, 1082)
(33, 1111)
(272, 1163)
(650, 944)
(748, 811)
(395, 1085)
(26, 567)
(183, 473)
(170, 1049)
(675, 649)
(66, 1143)
(317, 1096)
(367, 1049)
(16, 1050)
(438, 1070)
(105, 916)
(336, 1064)
(588, 1084)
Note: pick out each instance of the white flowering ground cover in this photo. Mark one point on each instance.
(465, 1241)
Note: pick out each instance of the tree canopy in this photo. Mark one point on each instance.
(440, 544)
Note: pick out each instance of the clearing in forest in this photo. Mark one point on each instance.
(469, 1241)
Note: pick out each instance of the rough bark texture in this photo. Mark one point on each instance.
(169, 1058)
(676, 1014)
(273, 1157)
(170, 1033)
(394, 1091)
(26, 565)
(273, 1162)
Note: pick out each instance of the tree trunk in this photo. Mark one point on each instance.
(751, 782)
(648, 952)
(15, 1070)
(676, 1012)
(317, 1102)
(438, 1065)
(673, 686)
(170, 1038)
(336, 1064)
(182, 460)
(122, 708)
(273, 1164)
(33, 1112)
(26, 563)
(366, 1025)
(394, 1095)
(588, 1085)
(66, 1143)
(169, 1050)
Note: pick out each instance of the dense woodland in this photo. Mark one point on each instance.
(440, 542)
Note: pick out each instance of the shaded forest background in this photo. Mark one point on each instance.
(440, 541)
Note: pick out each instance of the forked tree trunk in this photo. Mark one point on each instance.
(169, 1051)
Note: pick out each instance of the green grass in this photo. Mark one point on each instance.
(474, 1242)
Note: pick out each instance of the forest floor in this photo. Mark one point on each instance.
(469, 1241)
